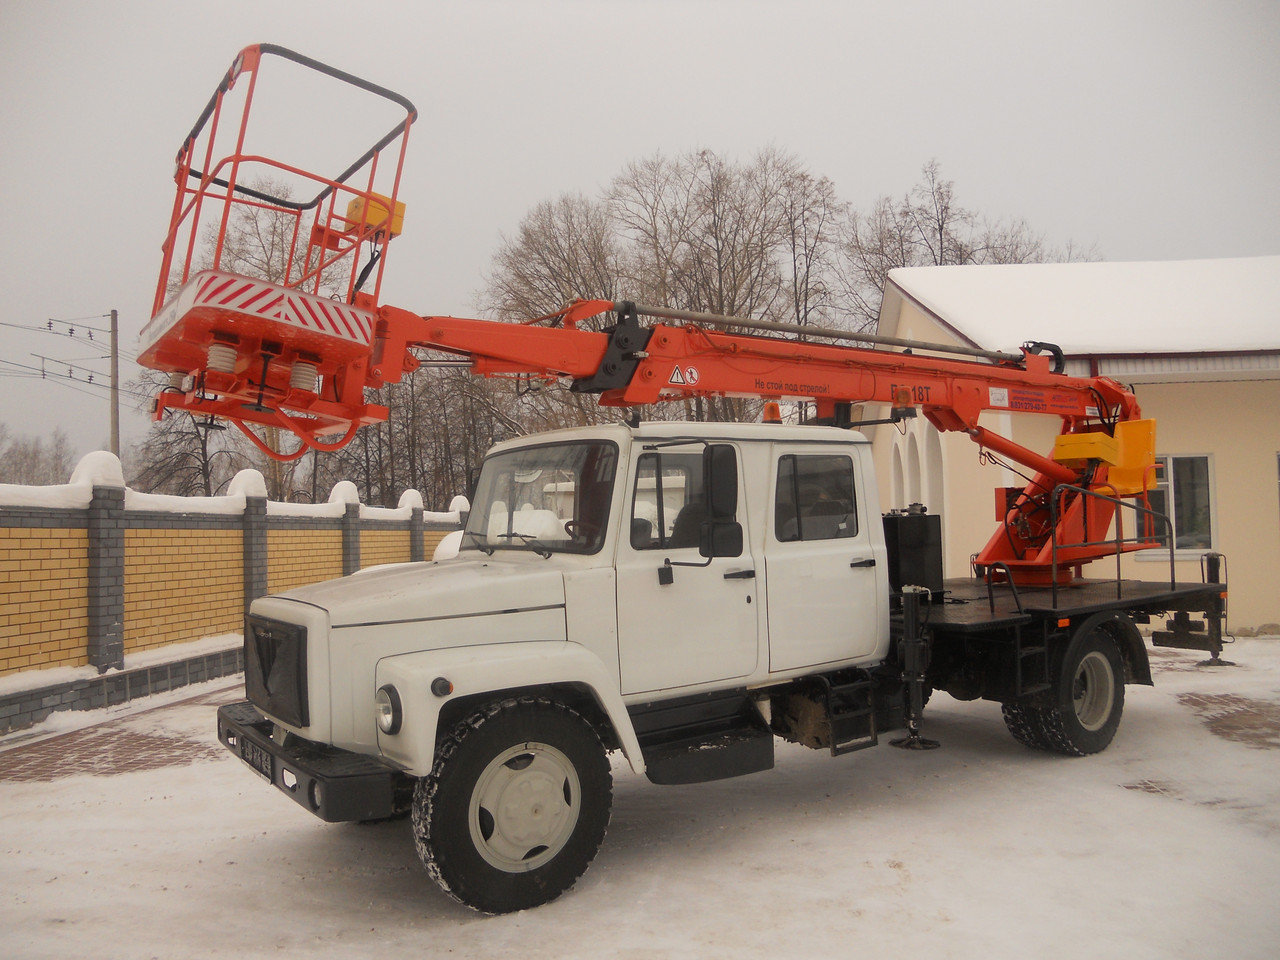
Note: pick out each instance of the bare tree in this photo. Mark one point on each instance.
(927, 227)
(35, 461)
(181, 455)
(707, 234)
(564, 249)
(811, 219)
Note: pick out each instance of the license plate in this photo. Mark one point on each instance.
(256, 757)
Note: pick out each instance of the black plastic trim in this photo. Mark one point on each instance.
(272, 49)
(275, 668)
(336, 785)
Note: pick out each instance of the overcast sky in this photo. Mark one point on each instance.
(1148, 130)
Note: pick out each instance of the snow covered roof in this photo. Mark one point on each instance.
(1171, 307)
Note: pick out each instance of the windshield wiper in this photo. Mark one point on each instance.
(475, 538)
(538, 547)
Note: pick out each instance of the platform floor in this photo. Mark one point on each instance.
(966, 607)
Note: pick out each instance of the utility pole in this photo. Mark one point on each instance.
(115, 384)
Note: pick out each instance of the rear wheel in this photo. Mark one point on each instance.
(1023, 720)
(1087, 699)
(515, 807)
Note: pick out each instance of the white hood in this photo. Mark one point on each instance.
(433, 591)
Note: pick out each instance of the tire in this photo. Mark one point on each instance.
(1024, 721)
(1087, 699)
(515, 807)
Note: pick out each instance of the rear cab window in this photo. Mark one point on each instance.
(814, 498)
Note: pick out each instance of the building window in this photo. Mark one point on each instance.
(1183, 492)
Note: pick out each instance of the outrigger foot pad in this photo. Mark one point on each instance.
(915, 742)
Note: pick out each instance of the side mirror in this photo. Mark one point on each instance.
(720, 538)
(720, 481)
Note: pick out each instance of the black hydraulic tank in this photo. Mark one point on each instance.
(914, 539)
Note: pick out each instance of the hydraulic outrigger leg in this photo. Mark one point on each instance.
(913, 653)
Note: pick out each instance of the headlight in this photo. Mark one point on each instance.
(387, 704)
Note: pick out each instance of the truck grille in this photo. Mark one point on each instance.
(275, 668)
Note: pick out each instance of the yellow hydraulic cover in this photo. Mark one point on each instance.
(1075, 449)
(1132, 473)
(377, 214)
(1128, 455)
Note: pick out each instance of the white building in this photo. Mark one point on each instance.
(1198, 341)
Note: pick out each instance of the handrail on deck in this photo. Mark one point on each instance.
(1008, 578)
(1146, 513)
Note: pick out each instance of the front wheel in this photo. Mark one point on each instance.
(515, 807)
(1088, 698)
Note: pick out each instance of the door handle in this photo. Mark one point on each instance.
(865, 562)
(740, 575)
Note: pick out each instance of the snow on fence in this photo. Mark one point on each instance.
(100, 580)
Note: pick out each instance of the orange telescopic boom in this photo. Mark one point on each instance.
(288, 353)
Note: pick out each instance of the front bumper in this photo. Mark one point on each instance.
(336, 785)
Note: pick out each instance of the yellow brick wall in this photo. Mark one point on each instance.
(299, 557)
(44, 595)
(181, 585)
(384, 546)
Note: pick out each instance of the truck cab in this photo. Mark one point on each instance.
(655, 581)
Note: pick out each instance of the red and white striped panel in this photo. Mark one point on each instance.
(283, 305)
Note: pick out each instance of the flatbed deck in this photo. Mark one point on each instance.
(966, 608)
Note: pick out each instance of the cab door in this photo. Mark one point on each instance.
(823, 566)
(682, 619)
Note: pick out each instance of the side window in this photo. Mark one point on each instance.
(669, 507)
(815, 498)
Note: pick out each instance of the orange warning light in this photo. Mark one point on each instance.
(772, 412)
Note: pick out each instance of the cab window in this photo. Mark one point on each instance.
(669, 505)
(815, 498)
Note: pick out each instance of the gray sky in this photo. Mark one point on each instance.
(1151, 130)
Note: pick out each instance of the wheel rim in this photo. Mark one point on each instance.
(524, 807)
(1093, 690)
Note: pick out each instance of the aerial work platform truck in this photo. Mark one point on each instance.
(683, 594)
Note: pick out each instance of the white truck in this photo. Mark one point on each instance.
(681, 593)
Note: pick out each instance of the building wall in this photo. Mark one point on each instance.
(1236, 424)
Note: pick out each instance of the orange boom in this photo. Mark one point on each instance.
(298, 351)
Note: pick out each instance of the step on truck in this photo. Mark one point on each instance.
(680, 594)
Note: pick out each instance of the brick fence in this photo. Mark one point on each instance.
(93, 574)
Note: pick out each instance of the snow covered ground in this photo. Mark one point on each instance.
(1165, 846)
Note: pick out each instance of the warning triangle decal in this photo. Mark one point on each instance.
(676, 377)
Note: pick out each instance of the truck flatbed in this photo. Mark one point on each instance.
(968, 608)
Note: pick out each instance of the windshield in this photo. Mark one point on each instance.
(546, 499)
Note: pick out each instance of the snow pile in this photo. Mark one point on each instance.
(96, 469)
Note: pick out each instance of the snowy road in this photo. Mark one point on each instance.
(1165, 846)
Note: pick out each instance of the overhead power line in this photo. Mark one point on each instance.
(79, 329)
(77, 332)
